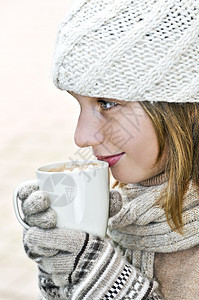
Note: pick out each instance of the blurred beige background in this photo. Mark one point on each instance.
(37, 124)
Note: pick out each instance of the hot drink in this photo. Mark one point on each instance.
(75, 167)
(79, 193)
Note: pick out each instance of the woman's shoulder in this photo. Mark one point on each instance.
(177, 273)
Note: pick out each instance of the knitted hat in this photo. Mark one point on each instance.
(130, 50)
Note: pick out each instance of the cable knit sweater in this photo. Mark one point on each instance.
(178, 274)
(177, 271)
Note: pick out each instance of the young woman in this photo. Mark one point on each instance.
(134, 69)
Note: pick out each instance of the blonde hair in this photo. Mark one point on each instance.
(176, 124)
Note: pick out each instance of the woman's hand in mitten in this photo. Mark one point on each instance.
(84, 267)
(37, 211)
(36, 207)
(115, 202)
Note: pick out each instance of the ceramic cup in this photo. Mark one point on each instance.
(78, 191)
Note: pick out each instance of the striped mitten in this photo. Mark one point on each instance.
(36, 207)
(84, 267)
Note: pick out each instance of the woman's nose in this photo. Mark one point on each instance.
(89, 130)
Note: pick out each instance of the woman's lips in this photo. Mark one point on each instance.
(112, 159)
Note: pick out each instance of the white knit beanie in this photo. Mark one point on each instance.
(133, 50)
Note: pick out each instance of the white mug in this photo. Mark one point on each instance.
(79, 194)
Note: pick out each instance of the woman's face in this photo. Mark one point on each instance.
(120, 133)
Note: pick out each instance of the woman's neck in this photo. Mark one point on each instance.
(155, 180)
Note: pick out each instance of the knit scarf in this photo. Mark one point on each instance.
(140, 228)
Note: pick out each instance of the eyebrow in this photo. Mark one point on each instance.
(101, 98)
(111, 100)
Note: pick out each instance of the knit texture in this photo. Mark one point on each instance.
(115, 202)
(141, 228)
(84, 267)
(177, 272)
(36, 207)
(130, 50)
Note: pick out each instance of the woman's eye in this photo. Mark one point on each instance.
(107, 105)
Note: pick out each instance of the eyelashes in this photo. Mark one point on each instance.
(107, 105)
